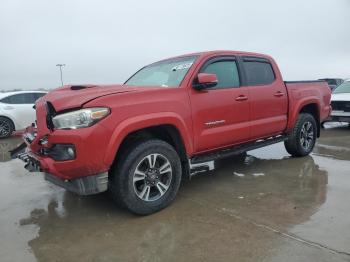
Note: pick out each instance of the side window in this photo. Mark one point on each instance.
(26, 98)
(38, 95)
(5, 100)
(31, 98)
(259, 73)
(226, 72)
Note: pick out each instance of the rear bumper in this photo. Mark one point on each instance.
(339, 117)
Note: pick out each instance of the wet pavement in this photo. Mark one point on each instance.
(270, 207)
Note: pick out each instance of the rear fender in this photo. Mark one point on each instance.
(294, 111)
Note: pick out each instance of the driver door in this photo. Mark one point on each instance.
(221, 113)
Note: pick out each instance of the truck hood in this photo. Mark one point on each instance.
(341, 97)
(68, 97)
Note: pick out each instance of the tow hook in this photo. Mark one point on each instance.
(31, 164)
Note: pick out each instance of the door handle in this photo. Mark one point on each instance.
(8, 107)
(278, 94)
(241, 98)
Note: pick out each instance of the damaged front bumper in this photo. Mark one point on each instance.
(72, 159)
(31, 164)
(88, 185)
(83, 186)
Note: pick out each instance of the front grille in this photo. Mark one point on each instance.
(341, 106)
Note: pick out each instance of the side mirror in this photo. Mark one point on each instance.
(205, 80)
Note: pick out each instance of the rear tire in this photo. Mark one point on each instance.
(147, 177)
(302, 139)
(6, 127)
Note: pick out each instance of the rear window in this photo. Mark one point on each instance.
(38, 95)
(259, 73)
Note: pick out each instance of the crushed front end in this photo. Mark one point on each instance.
(71, 158)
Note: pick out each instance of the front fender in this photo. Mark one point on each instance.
(136, 123)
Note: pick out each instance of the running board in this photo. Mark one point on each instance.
(201, 167)
(236, 150)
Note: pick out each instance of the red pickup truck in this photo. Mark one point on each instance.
(168, 121)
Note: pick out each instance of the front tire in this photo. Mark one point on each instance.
(6, 127)
(147, 177)
(302, 139)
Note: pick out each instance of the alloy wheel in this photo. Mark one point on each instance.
(307, 135)
(5, 129)
(152, 177)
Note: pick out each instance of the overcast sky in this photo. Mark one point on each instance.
(106, 41)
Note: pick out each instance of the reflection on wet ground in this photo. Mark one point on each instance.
(6, 145)
(269, 207)
(335, 143)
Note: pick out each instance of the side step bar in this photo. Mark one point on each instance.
(201, 167)
(205, 162)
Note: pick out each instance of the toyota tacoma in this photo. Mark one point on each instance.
(170, 120)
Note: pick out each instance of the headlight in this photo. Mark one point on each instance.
(80, 118)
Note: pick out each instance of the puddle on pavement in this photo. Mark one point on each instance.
(210, 219)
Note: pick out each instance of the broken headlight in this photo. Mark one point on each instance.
(80, 118)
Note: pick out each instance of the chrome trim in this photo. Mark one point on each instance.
(213, 123)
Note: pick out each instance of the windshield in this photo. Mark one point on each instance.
(343, 88)
(169, 73)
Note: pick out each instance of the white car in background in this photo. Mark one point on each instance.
(16, 110)
(341, 103)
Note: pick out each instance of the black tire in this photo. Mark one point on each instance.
(240, 158)
(295, 144)
(127, 193)
(6, 127)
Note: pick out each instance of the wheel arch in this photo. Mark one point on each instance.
(307, 106)
(168, 128)
(313, 109)
(167, 133)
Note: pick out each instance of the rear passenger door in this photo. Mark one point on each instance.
(220, 114)
(268, 97)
